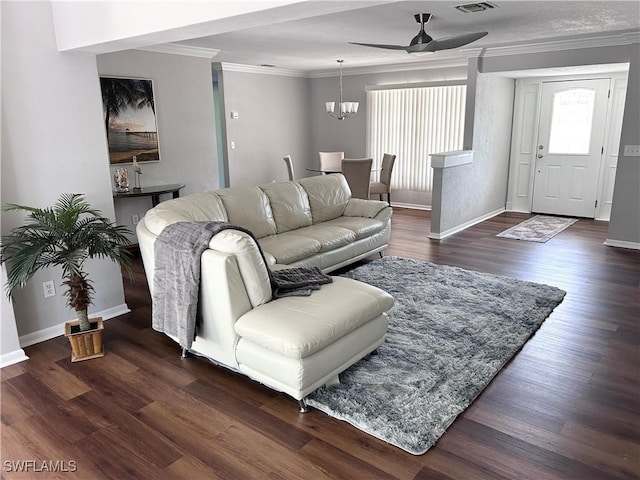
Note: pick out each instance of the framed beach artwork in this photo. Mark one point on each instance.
(130, 119)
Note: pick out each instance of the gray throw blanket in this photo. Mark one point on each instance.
(176, 279)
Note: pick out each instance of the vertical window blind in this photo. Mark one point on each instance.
(413, 123)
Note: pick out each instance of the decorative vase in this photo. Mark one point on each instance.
(121, 179)
(137, 186)
(88, 344)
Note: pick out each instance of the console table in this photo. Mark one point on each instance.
(154, 192)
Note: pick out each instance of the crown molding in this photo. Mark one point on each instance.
(622, 38)
(238, 67)
(448, 62)
(177, 49)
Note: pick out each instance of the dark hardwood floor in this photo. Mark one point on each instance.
(566, 407)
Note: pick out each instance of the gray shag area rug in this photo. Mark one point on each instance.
(538, 229)
(450, 332)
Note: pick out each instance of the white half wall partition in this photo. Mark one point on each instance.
(470, 186)
(450, 169)
(444, 180)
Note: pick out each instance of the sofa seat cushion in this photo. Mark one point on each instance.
(288, 247)
(297, 327)
(330, 237)
(360, 226)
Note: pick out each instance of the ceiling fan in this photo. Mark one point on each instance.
(422, 42)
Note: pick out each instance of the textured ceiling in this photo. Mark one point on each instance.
(315, 42)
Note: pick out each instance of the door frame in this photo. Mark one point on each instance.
(526, 119)
(591, 162)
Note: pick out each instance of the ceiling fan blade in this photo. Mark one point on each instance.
(377, 45)
(447, 43)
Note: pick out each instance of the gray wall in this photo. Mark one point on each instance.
(53, 141)
(273, 121)
(469, 192)
(283, 115)
(624, 223)
(186, 126)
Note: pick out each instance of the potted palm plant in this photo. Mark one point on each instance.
(66, 235)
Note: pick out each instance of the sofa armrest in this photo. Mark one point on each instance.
(358, 207)
(250, 264)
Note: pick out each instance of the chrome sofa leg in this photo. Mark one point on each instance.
(184, 353)
(302, 406)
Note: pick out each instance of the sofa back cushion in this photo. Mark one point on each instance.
(328, 196)
(249, 207)
(289, 204)
(197, 207)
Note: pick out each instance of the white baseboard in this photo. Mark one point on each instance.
(622, 244)
(413, 206)
(12, 357)
(57, 330)
(464, 226)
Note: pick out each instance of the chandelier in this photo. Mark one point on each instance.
(345, 109)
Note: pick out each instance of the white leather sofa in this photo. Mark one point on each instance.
(291, 344)
(309, 222)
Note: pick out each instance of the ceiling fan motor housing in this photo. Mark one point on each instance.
(422, 18)
(422, 36)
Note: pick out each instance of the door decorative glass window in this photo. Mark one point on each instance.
(571, 120)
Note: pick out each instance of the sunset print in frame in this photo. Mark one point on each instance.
(130, 119)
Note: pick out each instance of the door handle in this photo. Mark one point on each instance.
(540, 155)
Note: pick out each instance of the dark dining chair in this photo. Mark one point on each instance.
(357, 171)
(384, 185)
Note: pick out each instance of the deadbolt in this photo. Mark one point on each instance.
(540, 147)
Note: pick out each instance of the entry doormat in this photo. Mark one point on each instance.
(450, 332)
(538, 229)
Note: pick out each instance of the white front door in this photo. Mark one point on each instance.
(570, 145)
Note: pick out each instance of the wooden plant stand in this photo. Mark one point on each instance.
(88, 344)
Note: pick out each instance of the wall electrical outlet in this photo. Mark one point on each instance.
(632, 150)
(135, 219)
(49, 289)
